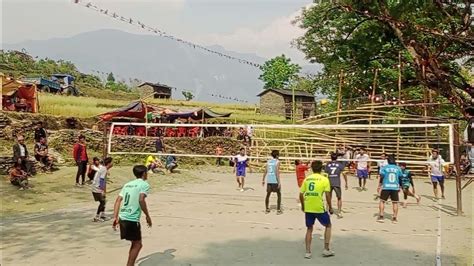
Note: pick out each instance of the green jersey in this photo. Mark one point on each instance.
(130, 209)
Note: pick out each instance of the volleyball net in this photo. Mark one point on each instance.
(411, 143)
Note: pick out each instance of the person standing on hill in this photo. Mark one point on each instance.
(272, 176)
(80, 156)
(40, 132)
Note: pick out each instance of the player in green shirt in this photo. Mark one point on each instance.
(128, 208)
(312, 204)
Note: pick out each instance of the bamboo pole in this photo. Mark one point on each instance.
(399, 99)
(339, 95)
(374, 85)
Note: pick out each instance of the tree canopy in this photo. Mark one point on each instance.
(434, 40)
(278, 72)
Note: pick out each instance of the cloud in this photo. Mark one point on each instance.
(273, 40)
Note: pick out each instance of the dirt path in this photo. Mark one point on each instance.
(213, 224)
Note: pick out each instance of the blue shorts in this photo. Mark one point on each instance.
(437, 178)
(240, 172)
(362, 173)
(323, 218)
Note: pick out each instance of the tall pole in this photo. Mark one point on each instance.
(399, 100)
(458, 169)
(339, 95)
(293, 107)
(374, 85)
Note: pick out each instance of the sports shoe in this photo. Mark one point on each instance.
(267, 211)
(98, 220)
(394, 220)
(78, 185)
(241, 190)
(380, 219)
(328, 253)
(307, 256)
(339, 215)
(279, 212)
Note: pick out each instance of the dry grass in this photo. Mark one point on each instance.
(84, 107)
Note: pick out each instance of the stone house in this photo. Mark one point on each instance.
(161, 91)
(280, 102)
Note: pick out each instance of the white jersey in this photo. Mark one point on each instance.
(382, 163)
(362, 161)
(436, 165)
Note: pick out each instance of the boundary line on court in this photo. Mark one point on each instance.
(438, 238)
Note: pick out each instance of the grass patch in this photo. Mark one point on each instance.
(84, 107)
(57, 191)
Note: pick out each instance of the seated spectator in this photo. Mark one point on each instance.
(171, 163)
(40, 132)
(153, 164)
(93, 168)
(18, 177)
(20, 155)
(41, 154)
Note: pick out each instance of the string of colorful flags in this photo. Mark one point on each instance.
(161, 33)
(235, 99)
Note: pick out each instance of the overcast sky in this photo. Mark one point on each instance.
(257, 26)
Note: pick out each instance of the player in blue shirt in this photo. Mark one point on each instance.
(272, 176)
(390, 183)
(240, 165)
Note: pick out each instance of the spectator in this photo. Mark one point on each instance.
(219, 152)
(20, 155)
(18, 177)
(42, 155)
(160, 145)
(249, 135)
(152, 163)
(80, 156)
(40, 132)
(171, 163)
(241, 135)
(93, 168)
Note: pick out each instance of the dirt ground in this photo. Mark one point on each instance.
(212, 223)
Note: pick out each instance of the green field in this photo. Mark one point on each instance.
(84, 107)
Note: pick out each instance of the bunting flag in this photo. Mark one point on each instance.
(161, 33)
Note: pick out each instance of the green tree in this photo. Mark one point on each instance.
(306, 83)
(433, 38)
(110, 78)
(278, 72)
(188, 96)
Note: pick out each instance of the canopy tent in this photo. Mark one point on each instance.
(137, 109)
(140, 109)
(197, 114)
(17, 95)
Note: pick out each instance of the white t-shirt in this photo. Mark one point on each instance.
(22, 151)
(436, 165)
(249, 131)
(382, 163)
(362, 161)
(98, 184)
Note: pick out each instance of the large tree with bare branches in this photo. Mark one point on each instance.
(433, 38)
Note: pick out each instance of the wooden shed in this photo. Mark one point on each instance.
(161, 91)
(280, 102)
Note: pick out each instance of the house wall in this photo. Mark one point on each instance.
(162, 93)
(145, 90)
(272, 103)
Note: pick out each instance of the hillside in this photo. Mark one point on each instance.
(154, 59)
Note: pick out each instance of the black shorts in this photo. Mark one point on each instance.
(272, 188)
(338, 191)
(393, 194)
(130, 230)
(98, 196)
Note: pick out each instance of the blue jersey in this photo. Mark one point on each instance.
(391, 177)
(272, 171)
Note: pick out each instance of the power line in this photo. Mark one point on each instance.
(161, 33)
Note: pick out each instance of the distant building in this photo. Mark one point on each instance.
(280, 102)
(161, 91)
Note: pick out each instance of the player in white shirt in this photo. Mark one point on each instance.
(436, 165)
(362, 160)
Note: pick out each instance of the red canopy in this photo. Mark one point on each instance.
(136, 109)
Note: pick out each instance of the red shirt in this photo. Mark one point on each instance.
(80, 153)
(301, 173)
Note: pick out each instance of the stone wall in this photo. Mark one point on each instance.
(272, 103)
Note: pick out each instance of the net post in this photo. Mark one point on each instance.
(456, 146)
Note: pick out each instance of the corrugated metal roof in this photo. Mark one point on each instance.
(288, 93)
